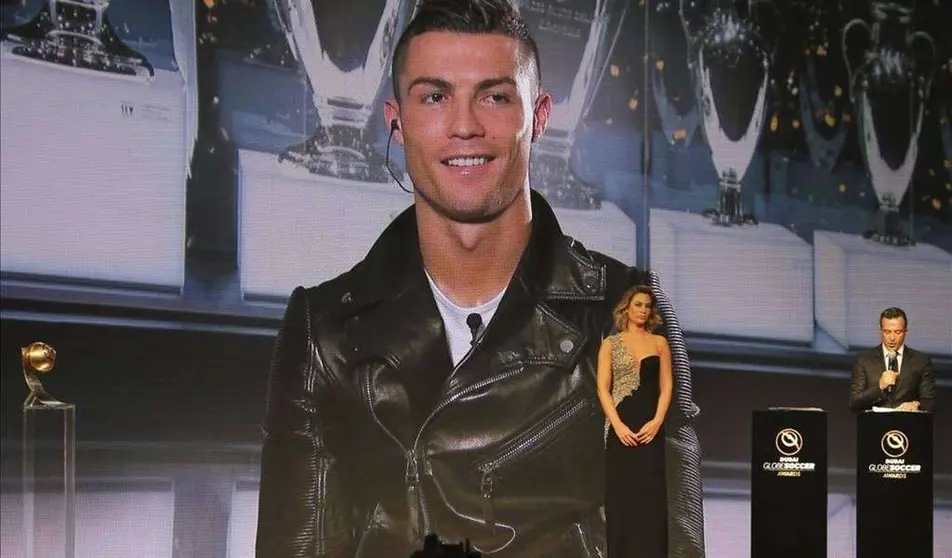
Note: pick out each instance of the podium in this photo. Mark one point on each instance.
(788, 483)
(894, 484)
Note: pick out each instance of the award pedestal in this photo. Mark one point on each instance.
(761, 273)
(857, 278)
(94, 170)
(788, 483)
(894, 484)
(49, 480)
(307, 229)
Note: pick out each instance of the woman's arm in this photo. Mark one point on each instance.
(624, 434)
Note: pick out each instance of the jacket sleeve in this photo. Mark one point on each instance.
(682, 447)
(302, 507)
(682, 396)
(927, 386)
(863, 395)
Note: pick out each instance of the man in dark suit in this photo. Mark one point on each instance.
(892, 374)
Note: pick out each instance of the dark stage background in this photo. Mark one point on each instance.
(151, 236)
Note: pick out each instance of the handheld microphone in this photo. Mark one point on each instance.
(893, 366)
(394, 126)
(474, 321)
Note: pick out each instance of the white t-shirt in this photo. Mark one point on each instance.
(459, 336)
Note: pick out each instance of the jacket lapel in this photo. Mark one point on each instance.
(907, 370)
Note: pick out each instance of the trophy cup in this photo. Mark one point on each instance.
(76, 34)
(344, 48)
(891, 69)
(575, 38)
(670, 81)
(49, 462)
(823, 82)
(729, 56)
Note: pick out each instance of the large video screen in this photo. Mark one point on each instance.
(169, 178)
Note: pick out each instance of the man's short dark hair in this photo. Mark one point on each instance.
(892, 313)
(477, 17)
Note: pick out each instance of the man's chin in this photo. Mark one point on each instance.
(470, 216)
(474, 213)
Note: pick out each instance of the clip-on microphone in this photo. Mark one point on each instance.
(394, 126)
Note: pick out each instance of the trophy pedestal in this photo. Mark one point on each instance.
(304, 230)
(856, 279)
(308, 229)
(736, 281)
(93, 175)
(49, 481)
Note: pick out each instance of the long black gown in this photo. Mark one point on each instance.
(636, 510)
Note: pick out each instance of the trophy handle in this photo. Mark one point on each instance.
(280, 9)
(771, 28)
(601, 63)
(854, 57)
(921, 44)
(691, 20)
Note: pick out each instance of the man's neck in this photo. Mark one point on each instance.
(472, 263)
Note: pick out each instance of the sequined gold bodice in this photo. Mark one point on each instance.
(625, 375)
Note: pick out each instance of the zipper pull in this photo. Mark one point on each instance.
(413, 497)
(486, 488)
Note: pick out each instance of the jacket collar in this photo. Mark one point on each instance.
(553, 266)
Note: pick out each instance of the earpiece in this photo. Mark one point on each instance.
(394, 125)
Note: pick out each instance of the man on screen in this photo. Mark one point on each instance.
(446, 384)
(892, 374)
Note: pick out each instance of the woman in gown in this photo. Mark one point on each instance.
(634, 387)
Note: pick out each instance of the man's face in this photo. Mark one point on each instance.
(893, 332)
(467, 119)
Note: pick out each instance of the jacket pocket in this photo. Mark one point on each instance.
(531, 441)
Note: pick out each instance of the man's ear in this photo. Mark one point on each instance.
(391, 114)
(540, 115)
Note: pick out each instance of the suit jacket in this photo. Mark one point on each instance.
(916, 381)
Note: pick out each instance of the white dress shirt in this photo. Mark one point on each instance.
(899, 353)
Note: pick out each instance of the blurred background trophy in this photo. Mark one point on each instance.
(730, 45)
(670, 79)
(822, 82)
(575, 39)
(891, 67)
(49, 462)
(344, 49)
(76, 34)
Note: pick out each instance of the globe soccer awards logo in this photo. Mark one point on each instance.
(895, 444)
(788, 442)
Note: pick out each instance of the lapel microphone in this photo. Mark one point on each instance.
(474, 321)
(394, 126)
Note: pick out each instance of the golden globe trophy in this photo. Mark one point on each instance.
(49, 462)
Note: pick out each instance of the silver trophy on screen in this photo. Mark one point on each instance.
(575, 39)
(823, 85)
(891, 70)
(77, 34)
(345, 49)
(670, 78)
(730, 56)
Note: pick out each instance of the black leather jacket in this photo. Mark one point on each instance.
(507, 453)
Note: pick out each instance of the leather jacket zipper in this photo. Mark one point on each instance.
(416, 505)
(525, 445)
(418, 523)
(321, 511)
(416, 499)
